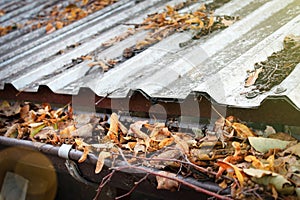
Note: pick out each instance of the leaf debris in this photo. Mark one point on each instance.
(251, 166)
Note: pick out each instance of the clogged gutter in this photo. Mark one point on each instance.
(254, 164)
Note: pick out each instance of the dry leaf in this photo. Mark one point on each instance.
(59, 25)
(113, 129)
(67, 132)
(12, 131)
(242, 130)
(266, 178)
(255, 162)
(227, 166)
(100, 161)
(50, 28)
(295, 150)
(165, 183)
(165, 142)
(181, 144)
(86, 151)
(263, 145)
(252, 77)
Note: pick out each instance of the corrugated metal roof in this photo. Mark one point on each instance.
(215, 64)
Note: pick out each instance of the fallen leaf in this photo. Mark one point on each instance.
(86, 151)
(165, 142)
(269, 131)
(113, 128)
(12, 131)
(242, 130)
(35, 128)
(181, 144)
(265, 177)
(50, 28)
(255, 162)
(295, 150)
(263, 145)
(59, 25)
(67, 132)
(100, 161)
(228, 166)
(165, 183)
(253, 77)
(83, 131)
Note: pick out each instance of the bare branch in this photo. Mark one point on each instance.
(134, 187)
(104, 181)
(183, 182)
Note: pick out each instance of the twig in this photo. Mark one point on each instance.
(134, 187)
(201, 169)
(123, 156)
(192, 186)
(104, 181)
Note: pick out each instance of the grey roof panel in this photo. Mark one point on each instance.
(215, 64)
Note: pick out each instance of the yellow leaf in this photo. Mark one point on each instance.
(100, 161)
(113, 129)
(59, 25)
(211, 21)
(242, 130)
(227, 166)
(255, 162)
(165, 142)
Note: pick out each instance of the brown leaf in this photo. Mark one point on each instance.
(113, 129)
(242, 130)
(100, 161)
(252, 77)
(66, 132)
(12, 131)
(165, 142)
(228, 166)
(86, 151)
(181, 144)
(59, 25)
(50, 28)
(165, 183)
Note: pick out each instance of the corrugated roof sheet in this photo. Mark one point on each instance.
(215, 64)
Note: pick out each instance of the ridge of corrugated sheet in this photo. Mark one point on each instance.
(215, 64)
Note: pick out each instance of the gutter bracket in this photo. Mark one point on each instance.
(71, 166)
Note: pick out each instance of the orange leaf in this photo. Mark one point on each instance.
(227, 166)
(113, 129)
(242, 130)
(100, 161)
(252, 77)
(86, 151)
(59, 25)
(165, 142)
(50, 28)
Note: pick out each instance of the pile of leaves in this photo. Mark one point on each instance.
(275, 69)
(58, 16)
(254, 164)
(161, 25)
